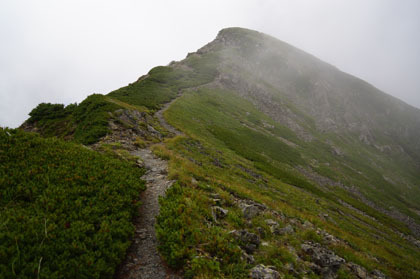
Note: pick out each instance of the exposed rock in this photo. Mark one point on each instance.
(376, 274)
(274, 226)
(271, 222)
(328, 238)
(215, 196)
(291, 269)
(219, 212)
(250, 210)
(307, 225)
(247, 258)
(248, 241)
(286, 230)
(261, 231)
(358, 270)
(327, 273)
(336, 151)
(322, 256)
(264, 272)
(217, 201)
(250, 172)
(294, 221)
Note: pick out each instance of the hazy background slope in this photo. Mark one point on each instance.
(369, 139)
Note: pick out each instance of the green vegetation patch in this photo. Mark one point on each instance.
(85, 123)
(66, 211)
(163, 83)
(182, 223)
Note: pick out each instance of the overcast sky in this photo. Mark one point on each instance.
(62, 51)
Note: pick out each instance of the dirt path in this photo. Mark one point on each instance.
(143, 260)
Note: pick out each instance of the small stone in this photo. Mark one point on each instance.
(271, 222)
(247, 258)
(290, 269)
(358, 270)
(219, 212)
(261, 231)
(294, 221)
(215, 196)
(378, 274)
(307, 225)
(217, 201)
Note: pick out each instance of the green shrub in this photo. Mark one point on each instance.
(65, 210)
(85, 123)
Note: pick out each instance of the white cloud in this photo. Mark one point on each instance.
(62, 51)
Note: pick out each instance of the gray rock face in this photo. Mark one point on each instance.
(286, 230)
(323, 257)
(264, 272)
(248, 241)
(250, 210)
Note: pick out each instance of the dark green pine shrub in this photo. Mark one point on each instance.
(85, 123)
(65, 211)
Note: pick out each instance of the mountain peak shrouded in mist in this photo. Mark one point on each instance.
(278, 165)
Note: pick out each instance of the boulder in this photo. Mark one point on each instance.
(250, 210)
(248, 241)
(286, 230)
(323, 257)
(264, 272)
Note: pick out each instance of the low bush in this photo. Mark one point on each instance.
(66, 211)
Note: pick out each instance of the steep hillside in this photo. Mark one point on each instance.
(282, 161)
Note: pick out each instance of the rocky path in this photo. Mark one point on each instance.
(143, 260)
(159, 116)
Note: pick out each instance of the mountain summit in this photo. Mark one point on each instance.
(279, 164)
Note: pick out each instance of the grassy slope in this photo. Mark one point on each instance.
(65, 210)
(260, 60)
(209, 115)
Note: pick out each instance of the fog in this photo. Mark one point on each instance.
(62, 51)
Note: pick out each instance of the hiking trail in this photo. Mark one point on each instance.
(143, 260)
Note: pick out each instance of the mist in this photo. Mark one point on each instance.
(63, 51)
